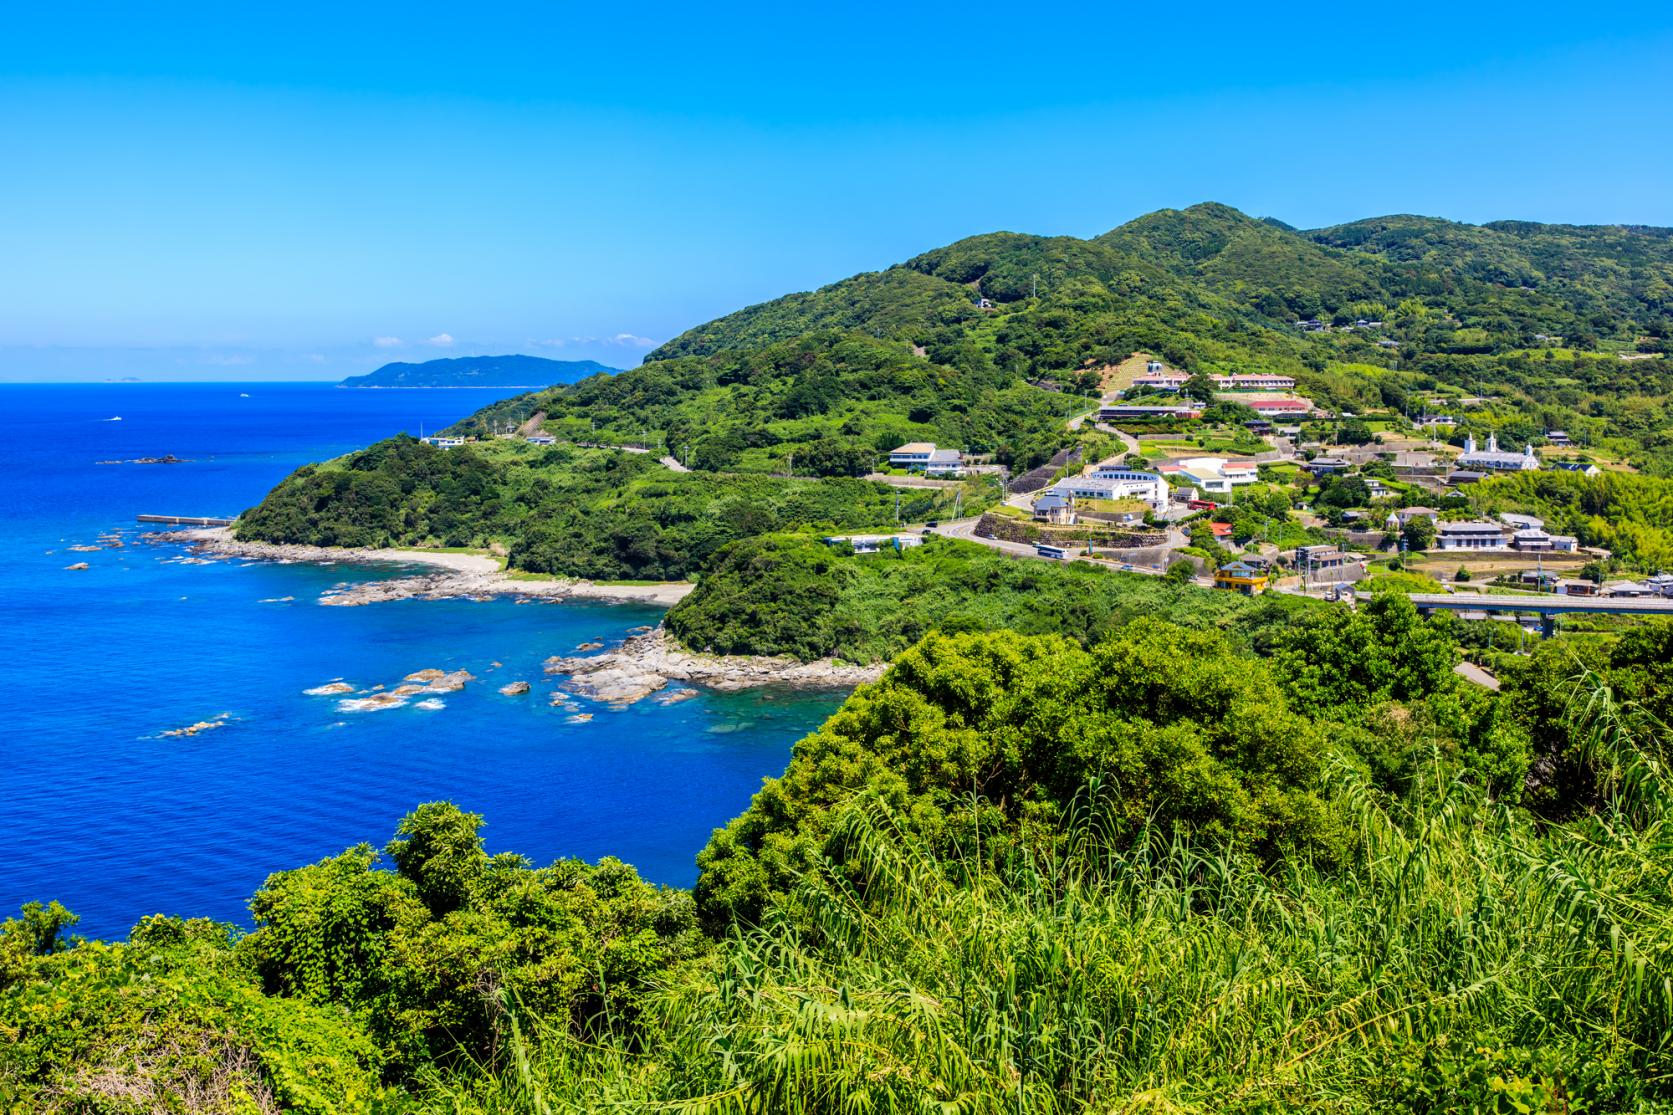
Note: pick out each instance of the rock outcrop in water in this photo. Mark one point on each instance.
(645, 664)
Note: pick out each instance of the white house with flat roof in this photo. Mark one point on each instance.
(924, 457)
(444, 442)
(1211, 474)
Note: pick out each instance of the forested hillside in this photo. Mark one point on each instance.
(988, 345)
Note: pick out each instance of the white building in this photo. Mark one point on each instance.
(1211, 474)
(1255, 382)
(444, 442)
(1493, 459)
(1470, 536)
(924, 457)
(1116, 483)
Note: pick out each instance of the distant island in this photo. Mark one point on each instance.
(480, 371)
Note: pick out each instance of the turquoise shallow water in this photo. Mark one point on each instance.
(116, 821)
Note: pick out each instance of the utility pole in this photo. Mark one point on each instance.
(1035, 289)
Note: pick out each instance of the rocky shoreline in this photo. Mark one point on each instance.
(645, 664)
(648, 662)
(467, 576)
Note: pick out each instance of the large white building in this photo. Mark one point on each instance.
(1493, 459)
(1116, 483)
(1470, 536)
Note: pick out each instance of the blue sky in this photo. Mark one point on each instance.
(304, 191)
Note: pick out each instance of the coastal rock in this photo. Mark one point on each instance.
(515, 689)
(645, 664)
(194, 729)
(450, 683)
(408, 690)
(591, 646)
(675, 696)
(425, 676)
(85, 549)
(431, 704)
(376, 702)
(77, 565)
(330, 689)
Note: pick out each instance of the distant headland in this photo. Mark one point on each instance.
(480, 371)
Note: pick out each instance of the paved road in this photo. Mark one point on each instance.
(673, 464)
(965, 529)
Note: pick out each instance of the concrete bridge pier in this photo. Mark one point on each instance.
(1548, 624)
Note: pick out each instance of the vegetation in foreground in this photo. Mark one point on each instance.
(1016, 874)
(794, 595)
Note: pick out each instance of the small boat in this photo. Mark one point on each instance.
(243, 395)
(118, 418)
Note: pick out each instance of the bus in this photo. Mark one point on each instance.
(1202, 505)
(1057, 553)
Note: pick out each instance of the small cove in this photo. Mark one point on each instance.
(116, 820)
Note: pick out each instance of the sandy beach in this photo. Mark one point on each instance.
(461, 575)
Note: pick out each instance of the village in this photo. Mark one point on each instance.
(1277, 501)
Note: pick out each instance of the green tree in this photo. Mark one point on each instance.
(439, 847)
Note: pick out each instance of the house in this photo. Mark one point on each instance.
(913, 455)
(1557, 437)
(1398, 518)
(1054, 508)
(1492, 459)
(541, 439)
(945, 463)
(1222, 532)
(1461, 477)
(1627, 590)
(1542, 579)
(1570, 587)
(1140, 412)
(1326, 563)
(1661, 582)
(1255, 382)
(1474, 535)
(441, 442)
(1321, 466)
(1258, 426)
(1311, 325)
(924, 457)
(1584, 468)
(1520, 521)
(1376, 487)
(1247, 575)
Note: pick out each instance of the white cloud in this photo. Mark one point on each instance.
(387, 342)
(440, 340)
(632, 340)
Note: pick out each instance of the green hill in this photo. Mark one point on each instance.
(989, 344)
(480, 371)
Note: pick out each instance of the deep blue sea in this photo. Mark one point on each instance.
(112, 818)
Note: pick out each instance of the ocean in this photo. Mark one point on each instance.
(107, 814)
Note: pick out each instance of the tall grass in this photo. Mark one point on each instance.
(1466, 959)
